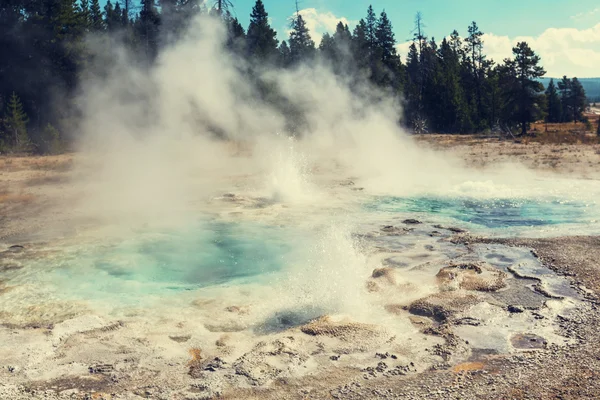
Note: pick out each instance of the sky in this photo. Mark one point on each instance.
(565, 33)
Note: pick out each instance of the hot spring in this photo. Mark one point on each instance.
(352, 273)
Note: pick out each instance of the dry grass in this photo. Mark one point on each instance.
(59, 163)
(46, 179)
(196, 354)
(16, 198)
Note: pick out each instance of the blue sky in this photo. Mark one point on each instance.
(566, 33)
(502, 17)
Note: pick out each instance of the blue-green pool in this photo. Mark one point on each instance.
(492, 213)
(203, 254)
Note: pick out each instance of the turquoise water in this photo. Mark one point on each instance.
(204, 254)
(492, 213)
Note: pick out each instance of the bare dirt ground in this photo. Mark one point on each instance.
(31, 187)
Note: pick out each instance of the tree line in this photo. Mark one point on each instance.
(446, 87)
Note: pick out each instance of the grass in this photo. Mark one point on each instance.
(13, 198)
(45, 179)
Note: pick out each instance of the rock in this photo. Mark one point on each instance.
(411, 221)
(180, 339)
(10, 267)
(385, 272)
(442, 306)
(222, 341)
(451, 229)
(473, 276)
(237, 310)
(515, 309)
(395, 309)
(345, 331)
(16, 248)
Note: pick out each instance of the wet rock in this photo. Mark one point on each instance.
(391, 230)
(215, 365)
(226, 326)
(101, 369)
(222, 341)
(180, 339)
(386, 273)
(442, 306)
(473, 276)
(237, 310)
(467, 321)
(16, 248)
(411, 221)
(451, 229)
(345, 331)
(515, 309)
(527, 341)
(10, 267)
(395, 309)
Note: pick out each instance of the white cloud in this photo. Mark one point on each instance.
(585, 15)
(564, 51)
(320, 22)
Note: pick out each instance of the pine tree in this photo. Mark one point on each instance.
(371, 33)
(578, 100)
(302, 47)
(565, 86)
(554, 110)
(147, 28)
(236, 36)
(96, 23)
(84, 14)
(15, 121)
(386, 41)
(525, 69)
(285, 56)
(261, 38)
(360, 46)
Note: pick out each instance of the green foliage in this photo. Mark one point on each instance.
(15, 124)
(554, 109)
(523, 88)
(50, 141)
(302, 47)
(261, 38)
(447, 87)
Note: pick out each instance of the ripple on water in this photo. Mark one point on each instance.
(493, 214)
(151, 263)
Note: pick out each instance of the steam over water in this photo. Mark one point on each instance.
(257, 233)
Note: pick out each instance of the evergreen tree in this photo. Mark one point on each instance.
(302, 47)
(564, 86)
(387, 68)
(85, 15)
(578, 100)
(236, 36)
(554, 110)
(360, 46)
(96, 23)
(525, 70)
(371, 33)
(261, 38)
(285, 55)
(147, 29)
(15, 120)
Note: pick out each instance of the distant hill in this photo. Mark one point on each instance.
(591, 86)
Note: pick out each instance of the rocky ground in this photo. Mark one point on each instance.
(571, 371)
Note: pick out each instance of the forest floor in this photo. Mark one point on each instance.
(29, 185)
